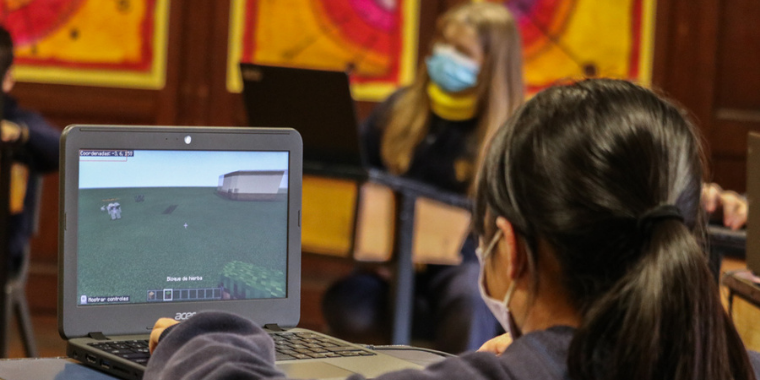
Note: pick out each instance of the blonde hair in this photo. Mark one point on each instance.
(499, 91)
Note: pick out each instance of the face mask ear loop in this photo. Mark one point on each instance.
(510, 292)
(514, 330)
(489, 249)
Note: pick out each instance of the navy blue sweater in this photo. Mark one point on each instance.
(40, 155)
(434, 158)
(217, 345)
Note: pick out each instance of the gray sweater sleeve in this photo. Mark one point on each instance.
(214, 345)
(217, 345)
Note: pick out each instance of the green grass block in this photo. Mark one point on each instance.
(246, 280)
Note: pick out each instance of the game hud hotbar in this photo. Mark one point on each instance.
(181, 226)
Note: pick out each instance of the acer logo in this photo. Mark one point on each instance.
(183, 316)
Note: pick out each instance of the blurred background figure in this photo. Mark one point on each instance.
(433, 131)
(36, 152)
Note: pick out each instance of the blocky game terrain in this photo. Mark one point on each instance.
(180, 238)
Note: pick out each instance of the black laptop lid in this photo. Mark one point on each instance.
(316, 103)
(169, 221)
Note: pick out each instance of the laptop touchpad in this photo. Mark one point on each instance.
(313, 370)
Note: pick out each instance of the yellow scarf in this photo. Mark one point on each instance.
(19, 180)
(452, 107)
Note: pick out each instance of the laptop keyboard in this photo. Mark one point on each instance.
(306, 345)
(133, 350)
(288, 346)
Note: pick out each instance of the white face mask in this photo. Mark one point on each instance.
(499, 309)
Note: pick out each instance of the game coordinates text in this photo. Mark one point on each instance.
(106, 153)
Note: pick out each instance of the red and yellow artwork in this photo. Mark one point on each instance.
(572, 39)
(119, 43)
(375, 39)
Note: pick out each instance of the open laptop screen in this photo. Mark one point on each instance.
(318, 104)
(159, 226)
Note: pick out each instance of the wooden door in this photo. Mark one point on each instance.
(707, 57)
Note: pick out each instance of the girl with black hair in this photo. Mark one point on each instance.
(588, 208)
(590, 196)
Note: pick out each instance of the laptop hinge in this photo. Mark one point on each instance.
(273, 327)
(97, 336)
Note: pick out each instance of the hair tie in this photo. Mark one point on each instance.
(647, 220)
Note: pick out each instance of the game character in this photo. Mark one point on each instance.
(114, 209)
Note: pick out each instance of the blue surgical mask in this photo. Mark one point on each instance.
(499, 308)
(451, 70)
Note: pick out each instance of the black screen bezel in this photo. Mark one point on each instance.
(113, 319)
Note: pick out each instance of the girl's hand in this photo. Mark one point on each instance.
(161, 325)
(496, 345)
(734, 206)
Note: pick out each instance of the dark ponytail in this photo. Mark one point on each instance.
(661, 320)
(583, 167)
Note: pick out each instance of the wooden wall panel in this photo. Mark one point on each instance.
(729, 137)
(194, 88)
(227, 108)
(706, 57)
(738, 56)
(737, 90)
(685, 57)
(63, 104)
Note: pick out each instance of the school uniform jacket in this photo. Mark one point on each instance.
(218, 345)
(436, 157)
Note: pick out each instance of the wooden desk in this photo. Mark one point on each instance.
(744, 284)
(70, 369)
(405, 200)
(406, 192)
(722, 241)
(726, 241)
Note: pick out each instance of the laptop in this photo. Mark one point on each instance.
(318, 104)
(753, 197)
(169, 221)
